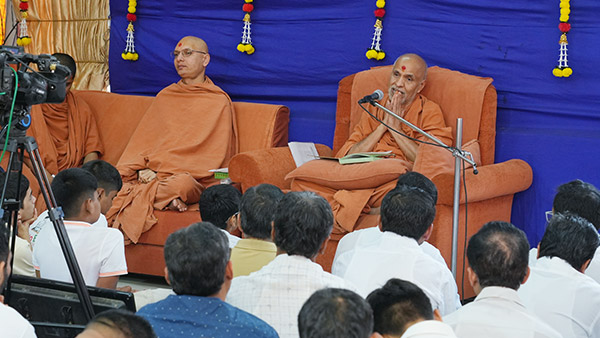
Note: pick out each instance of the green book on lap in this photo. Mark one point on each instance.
(361, 157)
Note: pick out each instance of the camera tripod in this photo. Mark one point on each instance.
(17, 145)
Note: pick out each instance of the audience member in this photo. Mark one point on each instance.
(99, 251)
(276, 293)
(557, 291)
(167, 160)
(256, 248)
(109, 183)
(117, 324)
(582, 199)
(407, 214)
(218, 204)
(402, 310)
(22, 260)
(199, 270)
(336, 313)
(498, 255)
(11, 322)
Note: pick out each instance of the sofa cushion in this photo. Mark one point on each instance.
(433, 160)
(350, 176)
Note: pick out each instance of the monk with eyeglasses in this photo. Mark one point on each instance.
(188, 130)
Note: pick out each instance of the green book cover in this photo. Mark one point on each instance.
(364, 157)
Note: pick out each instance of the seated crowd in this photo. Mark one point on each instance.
(248, 269)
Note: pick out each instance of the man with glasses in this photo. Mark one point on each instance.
(188, 130)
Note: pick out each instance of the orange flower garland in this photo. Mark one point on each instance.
(130, 54)
(375, 51)
(246, 45)
(23, 38)
(563, 69)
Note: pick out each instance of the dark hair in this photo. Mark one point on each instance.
(571, 238)
(106, 174)
(407, 211)
(336, 313)
(12, 191)
(397, 304)
(71, 187)
(418, 180)
(127, 323)
(303, 221)
(196, 258)
(579, 198)
(68, 61)
(218, 203)
(498, 254)
(257, 210)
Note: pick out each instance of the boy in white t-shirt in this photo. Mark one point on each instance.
(109, 184)
(100, 251)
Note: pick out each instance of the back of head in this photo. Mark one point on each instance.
(415, 179)
(68, 61)
(579, 198)
(257, 210)
(571, 238)
(118, 323)
(14, 190)
(303, 221)
(336, 313)
(106, 174)
(498, 254)
(196, 259)
(407, 211)
(396, 305)
(218, 203)
(71, 187)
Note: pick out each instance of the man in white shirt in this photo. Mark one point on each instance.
(582, 199)
(100, 251)
(407, 214)
(557, 291)
(11, 322)
(276, 293)
(402, 309)
(498, 255)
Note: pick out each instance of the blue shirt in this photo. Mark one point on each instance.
(194, 316)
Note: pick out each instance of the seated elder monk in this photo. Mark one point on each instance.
(188, 130)
(407, 79)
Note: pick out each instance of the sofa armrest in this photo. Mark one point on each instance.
(266, 166)
(493, 180)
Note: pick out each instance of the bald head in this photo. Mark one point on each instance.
(406, 81)
(191, 60)
(418, 60)
(194, 42)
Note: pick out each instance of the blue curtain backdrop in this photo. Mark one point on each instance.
(303, 48)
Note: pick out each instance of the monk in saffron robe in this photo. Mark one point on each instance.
(66, 133)
(188, 130)
(404, 99)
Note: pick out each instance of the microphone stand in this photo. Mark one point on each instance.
(459, 155)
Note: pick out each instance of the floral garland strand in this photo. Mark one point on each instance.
(130, 54)
(246, 45)
(23, 38)
(563, 69)
(375, 51)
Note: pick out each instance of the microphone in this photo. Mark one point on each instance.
(376, 96)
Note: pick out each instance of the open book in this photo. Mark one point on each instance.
(361, 157)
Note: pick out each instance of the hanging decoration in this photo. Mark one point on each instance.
(130, 54)
(23, 38)
(563, 69)
(246, 45)
(375, 51)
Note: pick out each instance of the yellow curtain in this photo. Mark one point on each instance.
(79, 28)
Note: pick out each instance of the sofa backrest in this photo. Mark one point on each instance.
(459, 95)
(259, 125)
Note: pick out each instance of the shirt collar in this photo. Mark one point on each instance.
(499, 292)
(77, 223)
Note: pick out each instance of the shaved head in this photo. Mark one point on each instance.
(194, 42)
(191, 59)
(422, 65)
(407, 80)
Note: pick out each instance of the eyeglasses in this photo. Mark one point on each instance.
(186, 53)
(549, 215)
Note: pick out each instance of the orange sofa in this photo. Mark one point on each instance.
(260, 126)
(490, 193)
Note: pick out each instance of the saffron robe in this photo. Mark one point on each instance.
(349, 205)
(188, 130)
(65, 133)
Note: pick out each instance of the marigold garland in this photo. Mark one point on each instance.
(246, 45)
(563, 69)
(130, 54)
(375, 51)
(23, 39)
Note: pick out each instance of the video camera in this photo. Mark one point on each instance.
(46, 85)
